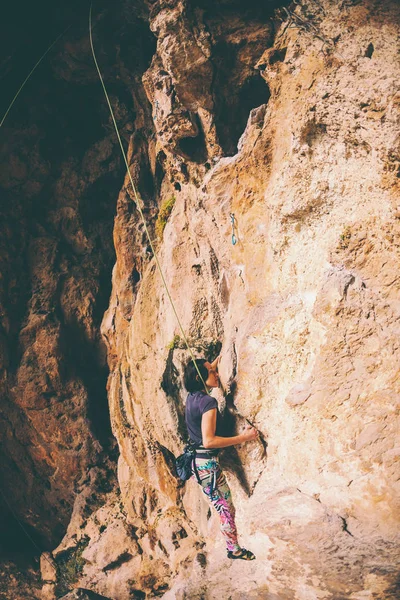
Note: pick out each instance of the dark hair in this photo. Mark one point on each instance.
(191, 378)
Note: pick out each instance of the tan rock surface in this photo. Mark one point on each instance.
(305, 306)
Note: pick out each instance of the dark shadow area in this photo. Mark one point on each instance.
(97, 207)
(135, 277)
(71, 116)
(137, 595)
(147, 184)
(278, 55)
(240, 33)
(230, 459)
(15, 290)
(19, 541)
(194, 148)
(233, 112)
(136, 51)
(59, 116)
(171, 385)
(251, 8)
(393, 591)
(159, 175)
(27, 29)
(86, 363)
(19, 577)
(369, 51)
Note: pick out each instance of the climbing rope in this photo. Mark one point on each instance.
(138, 203)
(30, 73)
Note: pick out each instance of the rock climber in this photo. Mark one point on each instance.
(203, 422)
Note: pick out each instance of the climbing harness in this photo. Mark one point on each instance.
(234, 238)
(185, 464)
(30, 73)
(138, 203)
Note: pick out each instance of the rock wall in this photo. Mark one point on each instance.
(305, 305)
(60, 171)
(287, 116)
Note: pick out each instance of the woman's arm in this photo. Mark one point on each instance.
(210, 440)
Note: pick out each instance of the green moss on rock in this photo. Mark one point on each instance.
(70, 565)
(163, 215)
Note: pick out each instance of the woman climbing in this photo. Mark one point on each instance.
(203, 425)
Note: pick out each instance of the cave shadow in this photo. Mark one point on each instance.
(230, 459)
(394, 588)
(19, 541)
(172, 386)
(194, 148)
(232, 112)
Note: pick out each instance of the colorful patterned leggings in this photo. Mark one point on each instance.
(217, 490)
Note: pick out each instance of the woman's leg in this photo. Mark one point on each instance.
(216, 488)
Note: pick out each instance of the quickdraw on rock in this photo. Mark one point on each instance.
(157, 108)
(234, 238)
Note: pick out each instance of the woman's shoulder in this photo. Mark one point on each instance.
(201, 398)
(198, 394)
(206, 402)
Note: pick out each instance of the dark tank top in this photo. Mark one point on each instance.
(197, 404)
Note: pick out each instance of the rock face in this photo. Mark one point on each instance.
(18, 580)
(80, 594)
(290, 121)
(60, 172)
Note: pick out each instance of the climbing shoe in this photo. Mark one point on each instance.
(244, 555)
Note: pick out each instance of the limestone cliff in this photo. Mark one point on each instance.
(287, 116)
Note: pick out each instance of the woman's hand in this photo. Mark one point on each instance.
(215, 363)
(250, 433)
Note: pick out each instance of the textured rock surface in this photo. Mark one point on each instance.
(18, 580)
(81, 594)
(305, 306)
(60, 173)
(60, 170)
